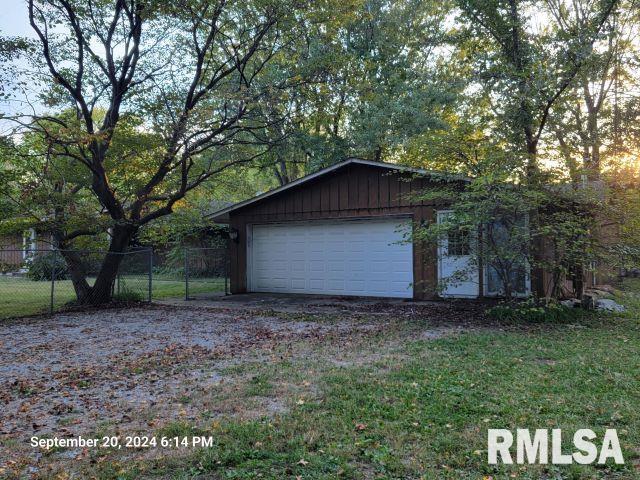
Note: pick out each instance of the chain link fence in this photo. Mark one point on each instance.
(201, 270)
(36, 281)
(205, 270)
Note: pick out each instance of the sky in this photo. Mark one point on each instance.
(13, 19)
(14, 22)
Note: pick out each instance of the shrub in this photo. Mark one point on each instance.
(534, 311)
(126, 295)
(42, 267)
(6, 267)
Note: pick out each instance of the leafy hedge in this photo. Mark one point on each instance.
(532, 311)
(43, 266)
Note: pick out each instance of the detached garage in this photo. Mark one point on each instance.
(340, 231)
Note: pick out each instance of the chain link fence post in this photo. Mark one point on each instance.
(186, 273)
(53, 280)
(150, 273)
(226, 275)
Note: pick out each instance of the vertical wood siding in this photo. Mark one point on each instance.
(11, 250)
(355, 191)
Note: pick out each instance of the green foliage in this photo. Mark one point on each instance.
(127, 135)
(528, 67)
(190, 224)
(520, 226)
(6, 267)
(364, 84)
(126, 295)
(532, 311)
(47, 266)
(462, 147)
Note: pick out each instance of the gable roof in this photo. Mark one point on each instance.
(222, 215)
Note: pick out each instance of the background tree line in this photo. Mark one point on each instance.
(143, 114)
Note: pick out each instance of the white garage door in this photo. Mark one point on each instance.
(364, 258)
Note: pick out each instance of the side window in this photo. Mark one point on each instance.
(28, 243)
(458, 243)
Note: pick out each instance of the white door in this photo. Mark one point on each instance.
(356, 257)
(457, 274)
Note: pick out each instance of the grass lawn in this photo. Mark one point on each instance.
(20, 296)
(408, 408)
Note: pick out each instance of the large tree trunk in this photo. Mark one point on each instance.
(78, 274)
(102, 289)
(592, 163)
(282, 173)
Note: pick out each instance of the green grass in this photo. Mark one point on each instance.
(422, 409)
(20, 296)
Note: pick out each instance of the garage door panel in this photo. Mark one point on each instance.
(357, 285)
(336, 284)
(334, 266)
(402, 267)
(355, 269)
(298, 283)
(316, 266)
(379, 286)
(298, 268)
(342, 257)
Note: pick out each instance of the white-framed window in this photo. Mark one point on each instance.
(29, 244)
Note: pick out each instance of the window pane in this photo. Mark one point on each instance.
(518, 280)
(458, 243)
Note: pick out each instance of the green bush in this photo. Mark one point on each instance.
(42, 267)
(535, 311)
(126, 295)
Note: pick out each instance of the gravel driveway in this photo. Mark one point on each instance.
(69, 373)
(135, 370)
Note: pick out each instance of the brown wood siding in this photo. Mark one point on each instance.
(355, 191)
(12, 248)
